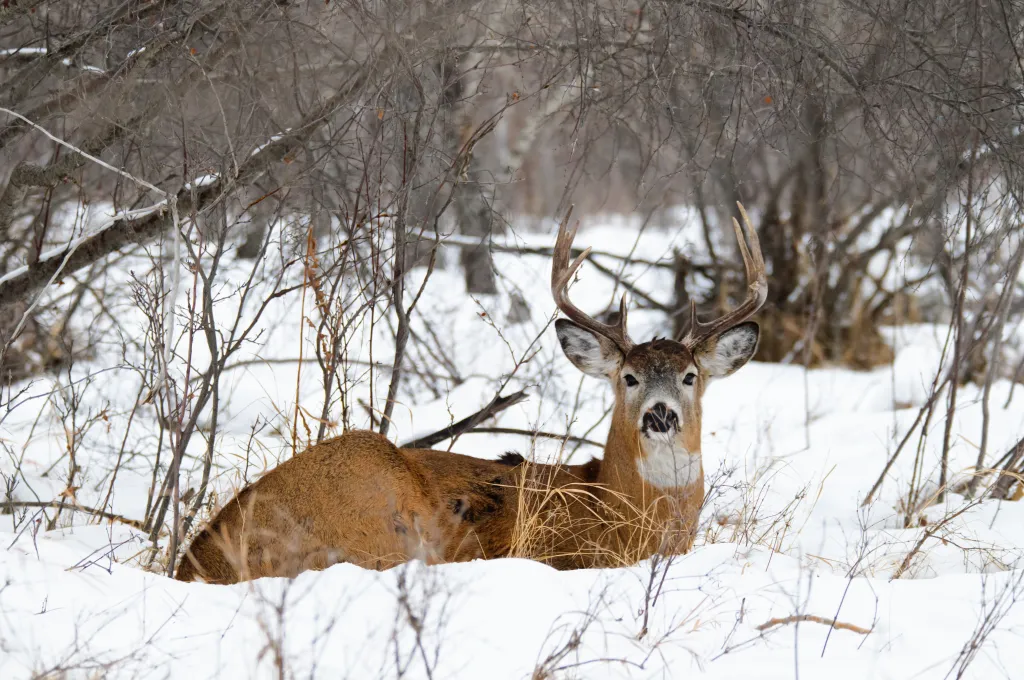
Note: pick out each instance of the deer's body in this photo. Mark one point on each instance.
(359, 499)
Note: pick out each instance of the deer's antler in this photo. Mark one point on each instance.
(561, 274)
(757, 283)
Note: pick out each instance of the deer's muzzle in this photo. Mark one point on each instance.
(660, 419)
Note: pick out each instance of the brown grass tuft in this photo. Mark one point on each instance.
(584, 526)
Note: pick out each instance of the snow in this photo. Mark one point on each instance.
(496, 619)
(30, 51)
(18, 51)
(273, 138)
(91, 69)
(85, 67)
(789, 456)
(202, 181)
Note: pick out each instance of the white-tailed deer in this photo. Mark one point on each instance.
(359, 499)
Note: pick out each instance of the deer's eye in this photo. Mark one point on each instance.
(689, 378)
(631, 381)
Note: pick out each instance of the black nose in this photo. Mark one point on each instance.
(660, 419)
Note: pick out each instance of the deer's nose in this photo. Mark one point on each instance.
(660, 418)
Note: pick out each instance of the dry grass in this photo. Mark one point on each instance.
(751, 524)
(585, 525)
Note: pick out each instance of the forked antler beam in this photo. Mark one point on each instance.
(561, 274)
(757, 293)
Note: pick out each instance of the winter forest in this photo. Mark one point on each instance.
(267, 267)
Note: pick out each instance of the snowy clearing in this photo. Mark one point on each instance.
(789, 454)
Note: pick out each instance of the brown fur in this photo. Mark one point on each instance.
(359, 499)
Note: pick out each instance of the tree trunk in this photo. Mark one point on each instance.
(474, 214)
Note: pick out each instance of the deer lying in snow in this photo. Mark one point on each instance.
(359, 499)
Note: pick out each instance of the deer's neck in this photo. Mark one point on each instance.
(641, 468)
(661, 480)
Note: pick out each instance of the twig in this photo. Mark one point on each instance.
(535, 433)
(839, 625)
(929, 532)
(497, 405)
(1006, 479)
(460, 241)
(10, 505)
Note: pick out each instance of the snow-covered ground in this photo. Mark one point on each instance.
(789, 456)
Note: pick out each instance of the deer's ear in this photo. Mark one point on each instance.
(594, 354)
(725, 354)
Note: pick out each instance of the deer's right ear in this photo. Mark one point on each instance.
(594, 354)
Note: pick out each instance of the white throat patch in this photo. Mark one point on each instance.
(668, 465)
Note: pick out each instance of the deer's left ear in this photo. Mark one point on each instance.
(725, 354)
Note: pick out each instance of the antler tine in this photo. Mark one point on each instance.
(753, 259)
(562, 272)
(757, 283)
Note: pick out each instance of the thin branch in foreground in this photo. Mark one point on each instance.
(10, 505)
(839, 625)
(497, 405)
(535, 433)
